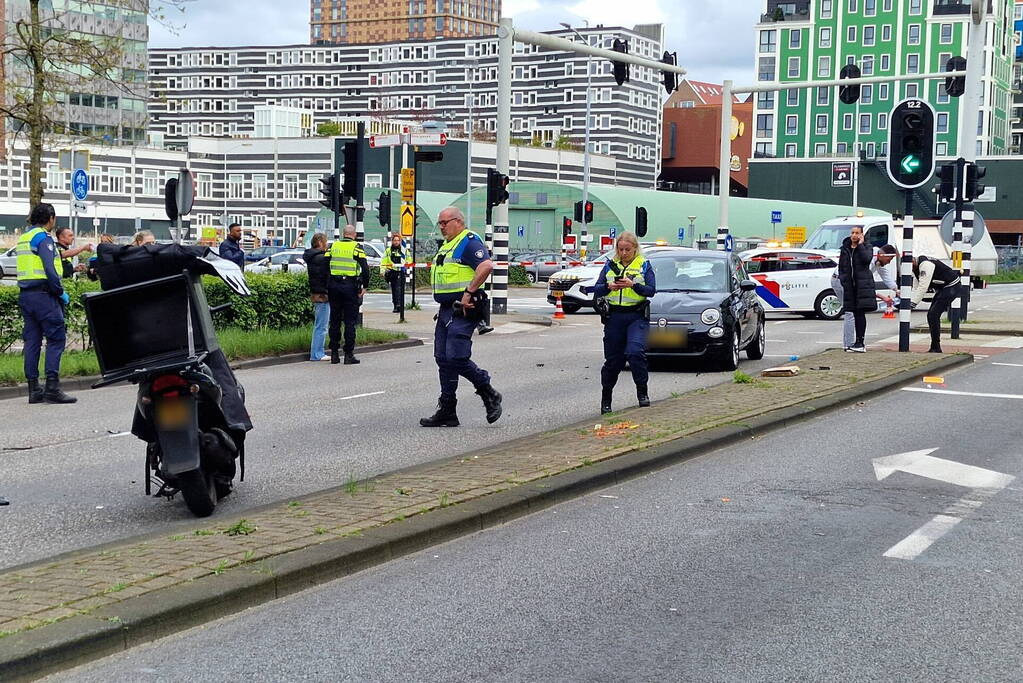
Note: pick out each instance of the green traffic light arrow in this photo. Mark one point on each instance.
(910, 163)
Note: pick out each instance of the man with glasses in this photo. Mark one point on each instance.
(460, 268)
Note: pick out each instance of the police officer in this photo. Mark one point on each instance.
(931, 273)
(626, 282)
(65, 238)
(349, 279)
(460, 268)
(392, 267)
(42, 300)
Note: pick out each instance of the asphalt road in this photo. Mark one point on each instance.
(764, 561)
(74, 476)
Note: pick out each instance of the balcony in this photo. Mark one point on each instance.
(798, 15)
(947, 7)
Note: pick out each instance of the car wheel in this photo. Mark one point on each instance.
(570, 308)
(531, 277)
(828, 306)
(730, 357)
(756, 348)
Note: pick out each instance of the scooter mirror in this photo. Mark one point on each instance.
(228, 271)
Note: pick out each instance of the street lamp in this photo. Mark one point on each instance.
(586, 142)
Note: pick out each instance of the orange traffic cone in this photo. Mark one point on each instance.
(559, 312)
(889, 313)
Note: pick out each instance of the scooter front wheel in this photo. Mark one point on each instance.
(199, 492)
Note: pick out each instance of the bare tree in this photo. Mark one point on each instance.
(47, 56)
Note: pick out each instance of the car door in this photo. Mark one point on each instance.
(743, 303)
(764, 268)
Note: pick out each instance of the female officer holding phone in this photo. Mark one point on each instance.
(626, 282)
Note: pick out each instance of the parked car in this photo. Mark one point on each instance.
(9, 262)
(794, 280)
(275, 263)
(374, 252)
(705, 307)
(260, 253)
(540, 267)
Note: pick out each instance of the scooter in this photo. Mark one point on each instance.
(158, 334)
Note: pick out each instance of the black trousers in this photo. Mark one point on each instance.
(860, 324)
(397, 284)
(343, 295)
(939, 304)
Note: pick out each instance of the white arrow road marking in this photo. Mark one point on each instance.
(986, 483)
(1009, 365)
(349, 398)
(949, 392)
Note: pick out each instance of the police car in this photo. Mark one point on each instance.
(794, 280)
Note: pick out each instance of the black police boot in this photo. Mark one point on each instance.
(643, 396)
(335, 357)
(935, 349)
(350, 359)
(35, 394)
(491, 401)
(605, 400)
(444, 417)
(3, 501)
(53, 394)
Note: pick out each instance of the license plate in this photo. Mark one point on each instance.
(172, 414)
(661, 339)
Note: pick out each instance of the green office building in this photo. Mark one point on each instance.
(801, 40)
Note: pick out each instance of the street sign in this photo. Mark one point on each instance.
(184, 193)
(209, 234)
(384, 141)
(522, 231)
(612, 231)
(841, 174)
(795, 234)
(82, 158)
(586, 238)
(408, 185)
(776, 216)
(569, 243)
(80, 184)
(730, 241)
(681, 234)
(606, 243)
(79, 207)
(424, 139)
(948, 223)
(408, 220)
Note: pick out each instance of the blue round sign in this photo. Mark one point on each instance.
(729, 243)
(80, 184)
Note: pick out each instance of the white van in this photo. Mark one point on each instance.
(927, 240)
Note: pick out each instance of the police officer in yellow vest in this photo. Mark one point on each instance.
(42, 300)
(460, 268)
(349, 279)
(625, 283)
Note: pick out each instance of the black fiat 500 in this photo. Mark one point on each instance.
(705, 307)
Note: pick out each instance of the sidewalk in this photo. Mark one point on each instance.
(980, 322)
(87, 604)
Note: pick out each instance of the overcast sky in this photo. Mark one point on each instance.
(714, 40)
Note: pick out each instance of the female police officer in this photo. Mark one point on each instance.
(626, 282)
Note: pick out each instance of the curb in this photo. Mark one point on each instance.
(119, 627)
(85, 383)
(970, 329)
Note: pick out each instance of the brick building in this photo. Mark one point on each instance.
(336, 22)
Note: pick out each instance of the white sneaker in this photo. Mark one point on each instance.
(858, 349)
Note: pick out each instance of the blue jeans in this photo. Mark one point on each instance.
(322, 313)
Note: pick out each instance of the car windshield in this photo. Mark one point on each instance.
(828, 237)
(689, 273)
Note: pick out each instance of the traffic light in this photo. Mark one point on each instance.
(566, 226)
(669, 78)
(947, 189)
(974, 189)
(849, 93)
(351, 173)
(955, 86)
(579, 211)
(587, 212)
(329, 191)
(911, 143)
(640, 221)
(497, 188)
(384, 208)
(621, 69)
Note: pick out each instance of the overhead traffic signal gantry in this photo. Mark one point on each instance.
(911, 143)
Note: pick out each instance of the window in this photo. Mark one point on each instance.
(912, 90)
(946, 33)
(768, 41)
(865, 123)
(851, 7)
(290, 187)
(116, 180)
(823, 96)
(869, 35)
(825, 9)
(205, 185)
(886, 33)
(793, 67)
(791, 125)
(820, 149)
(824, 67)
(763, 150)
(912, 64)
(234, 185)
(886, 5)
(913, 35)
(847, 121)
(822, 124)
(882, 92)
(795, 39)
(765, 125)
(792, 97)
(850, 35)
(765, 69)
(941, 149)
(55, 178)
(867, 65)
(765, 100)
(869, 8)
(374, 180)
(825, 37)
(915, 6)
(790, 150)
(841, 148)
(259, 186)
(886, 62)
(867, 94)
(151, 183)
(942, 123)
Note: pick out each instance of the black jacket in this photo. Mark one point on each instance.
(230, 250)
(856, 277)
(318, 266)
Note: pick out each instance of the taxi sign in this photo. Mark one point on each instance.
(408, 220)
(408, 185)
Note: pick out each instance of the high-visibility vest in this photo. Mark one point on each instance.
(29, 264)
(634, 271)
(390, 254)
(342, 258)
(449, 274)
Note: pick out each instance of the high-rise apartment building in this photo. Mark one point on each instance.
(336, 22)
(1016, 120)
(806, 40)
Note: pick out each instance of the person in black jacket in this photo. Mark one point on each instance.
(231, 248)
(857, 283)
(933, 274)
(318, 266)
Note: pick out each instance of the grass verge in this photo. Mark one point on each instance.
(237, 345)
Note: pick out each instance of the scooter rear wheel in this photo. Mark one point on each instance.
(199, 492)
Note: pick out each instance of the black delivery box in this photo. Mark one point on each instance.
(149, 323)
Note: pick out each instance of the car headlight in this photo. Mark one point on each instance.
(715, 332)
(710, 316)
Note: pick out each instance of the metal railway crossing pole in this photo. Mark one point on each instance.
(724, 164)
(360, 182)
(906, 275)
(954, 311)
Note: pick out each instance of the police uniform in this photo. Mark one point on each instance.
(393, 264)
(625, 332)
(42, 300)
(454, 268)
(933, 274)
(348, 274)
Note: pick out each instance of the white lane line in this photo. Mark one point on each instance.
(1005, 343)
(512, 328)
(117, 434)
(778, 355)
(980, 356)
(776, 341)
(1009, 365)
(781, 322)
(920, 540)
(349, 398)
(837, 342)
(528, 348)
(949, 392)
(809, 333)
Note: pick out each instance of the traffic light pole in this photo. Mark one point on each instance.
(506, 44)
(724, 165)
(955, 311)
(360, 182)
(906, 275)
